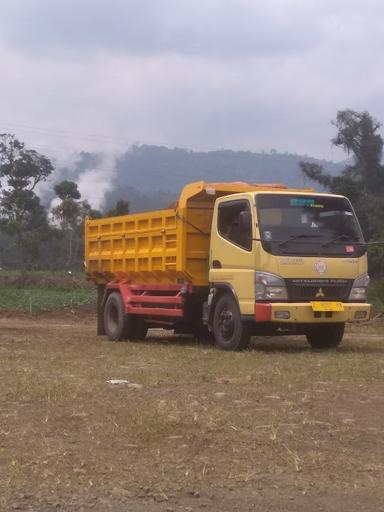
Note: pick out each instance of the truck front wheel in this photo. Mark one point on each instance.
(230, 332)
(118, 325)
(325, 336)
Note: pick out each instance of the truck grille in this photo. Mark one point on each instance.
(303, 290)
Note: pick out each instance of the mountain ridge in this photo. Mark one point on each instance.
(159, 173)
(151, 177)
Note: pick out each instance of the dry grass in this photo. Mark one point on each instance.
(195, 418)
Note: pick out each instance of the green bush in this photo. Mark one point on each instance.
(44, 291)
(376, 294)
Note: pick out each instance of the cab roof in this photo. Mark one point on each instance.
(203, 188)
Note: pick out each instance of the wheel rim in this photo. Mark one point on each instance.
(226, 323)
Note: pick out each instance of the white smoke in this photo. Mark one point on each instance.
(45, 188)
(94, 183)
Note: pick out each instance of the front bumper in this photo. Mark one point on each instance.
(302, 312)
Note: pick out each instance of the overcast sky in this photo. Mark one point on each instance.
(201, 74)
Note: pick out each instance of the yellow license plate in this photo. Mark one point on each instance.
(327, 306)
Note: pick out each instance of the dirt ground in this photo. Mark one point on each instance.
(188, 427)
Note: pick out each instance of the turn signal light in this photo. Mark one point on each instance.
(282, 315)
(359, 315)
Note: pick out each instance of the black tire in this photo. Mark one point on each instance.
(118, 325)
(139, 329)
(230, 332)
(325, 336)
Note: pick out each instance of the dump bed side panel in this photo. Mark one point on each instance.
(138, 247)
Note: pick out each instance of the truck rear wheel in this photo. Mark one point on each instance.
(325, 336)
(118, 325)
(230, 332)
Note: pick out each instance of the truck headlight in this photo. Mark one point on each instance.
(270, 287)
(359, 289)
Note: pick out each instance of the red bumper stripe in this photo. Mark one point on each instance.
(263, 312)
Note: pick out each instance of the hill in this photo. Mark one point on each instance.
(159, 172)
(152, 176)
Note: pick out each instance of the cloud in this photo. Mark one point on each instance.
(241, 74)
(213, 28)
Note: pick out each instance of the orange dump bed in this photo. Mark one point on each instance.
(159, 247)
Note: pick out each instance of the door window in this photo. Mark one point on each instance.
(235, 223)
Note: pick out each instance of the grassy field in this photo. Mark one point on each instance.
(44, 291)
(278, 427)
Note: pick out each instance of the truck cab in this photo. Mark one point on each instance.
(285, 262)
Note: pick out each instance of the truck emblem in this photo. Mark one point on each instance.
(320, 267)
(320, 293)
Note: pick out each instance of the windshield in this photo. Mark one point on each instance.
(308, 225)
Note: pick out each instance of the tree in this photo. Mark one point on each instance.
(70, 213)
(22, 215)
(22, 168)
(67, 190)
(121, 208)
(88, 211)
(363, 180)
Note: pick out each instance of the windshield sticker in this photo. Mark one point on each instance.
(349, 248)
(303, 201)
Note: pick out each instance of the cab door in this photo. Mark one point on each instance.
(232, 259)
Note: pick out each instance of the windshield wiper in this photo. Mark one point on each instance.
(340, 237)
(295, 237)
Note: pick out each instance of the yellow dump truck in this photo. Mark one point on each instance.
(234, 260)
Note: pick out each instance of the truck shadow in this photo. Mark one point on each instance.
(287, 345)
(180, 340)
(272, 344)
(258, 344)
